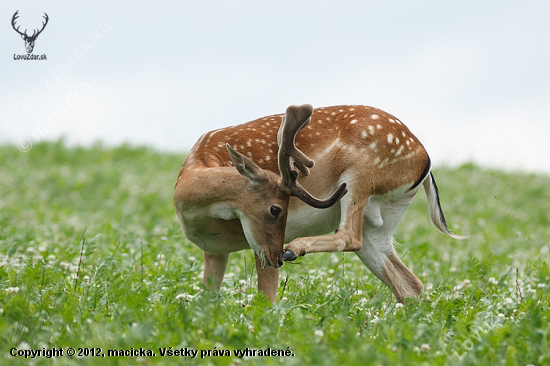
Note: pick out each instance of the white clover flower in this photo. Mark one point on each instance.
(13, 290)
(183, 297)
(425, 347)
(24, 345)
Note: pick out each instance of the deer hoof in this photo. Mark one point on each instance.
(289, 255)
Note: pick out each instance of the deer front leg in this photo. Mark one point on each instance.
(214, 270)
(348, 237)
(268, 279)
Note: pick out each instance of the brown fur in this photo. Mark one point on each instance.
(369, 149)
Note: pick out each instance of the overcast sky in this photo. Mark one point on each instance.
(471, 79)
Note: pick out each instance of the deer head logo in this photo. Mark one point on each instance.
(29, 40)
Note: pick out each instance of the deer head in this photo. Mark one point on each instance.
(29, 40)
(264, 219)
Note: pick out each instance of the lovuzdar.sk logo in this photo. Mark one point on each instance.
(29, 40)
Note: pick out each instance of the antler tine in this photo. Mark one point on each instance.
(13, 19)
(291, 158)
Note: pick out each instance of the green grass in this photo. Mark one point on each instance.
(92, 256)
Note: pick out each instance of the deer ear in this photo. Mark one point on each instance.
(246, 167)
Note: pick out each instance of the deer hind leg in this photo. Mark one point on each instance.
(348, 237)
(268, 279)
(378, 253)
(214, 270)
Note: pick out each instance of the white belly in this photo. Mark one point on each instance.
(304, 220)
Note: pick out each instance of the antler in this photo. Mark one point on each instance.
(15, 16)
(34, 34)
(43, 25)
(292, 161)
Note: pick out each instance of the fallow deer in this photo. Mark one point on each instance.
(249, 186)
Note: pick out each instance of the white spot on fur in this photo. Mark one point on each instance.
(353, 121)
(379, 127)
(374, 116)
(364, 134)
(400, 150)
(373, 145)
(390, 138)
(371, 129)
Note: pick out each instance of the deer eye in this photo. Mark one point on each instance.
(275, 211)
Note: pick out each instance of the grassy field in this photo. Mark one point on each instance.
(92, 258)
